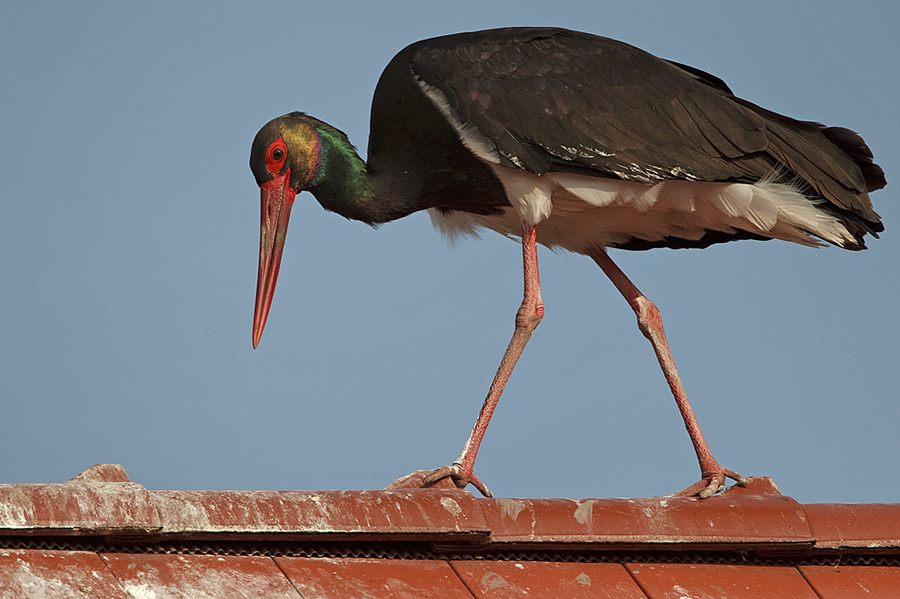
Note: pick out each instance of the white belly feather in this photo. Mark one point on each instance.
(577, 212)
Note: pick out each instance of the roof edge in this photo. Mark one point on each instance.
(104, 502)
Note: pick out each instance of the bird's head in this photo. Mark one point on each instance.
(286, 158)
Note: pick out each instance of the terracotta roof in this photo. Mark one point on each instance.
(101, 535)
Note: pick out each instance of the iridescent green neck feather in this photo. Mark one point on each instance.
(341, 182)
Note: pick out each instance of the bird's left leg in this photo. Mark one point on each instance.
(527, 318)
(650, 322)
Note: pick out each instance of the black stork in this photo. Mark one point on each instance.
(577, 142)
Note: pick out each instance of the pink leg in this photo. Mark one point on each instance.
(650, 322)
(527, 318)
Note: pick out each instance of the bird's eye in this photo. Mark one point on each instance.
(275, 156)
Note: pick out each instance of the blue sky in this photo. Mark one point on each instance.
(128, 256)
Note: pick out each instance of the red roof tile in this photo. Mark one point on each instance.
(48, 573)
(151, 576)
(100, 534)
(720, 580)
(850, 582)
(519, 578)
(366, 577)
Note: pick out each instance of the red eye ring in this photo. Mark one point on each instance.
(275, 156)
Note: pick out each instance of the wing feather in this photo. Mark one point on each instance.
(558, 100)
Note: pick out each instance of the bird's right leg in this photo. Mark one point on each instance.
(527, 318)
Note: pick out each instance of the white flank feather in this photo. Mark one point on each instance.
(593, 190)
(763, 210)
(529, 194)
(733, 199)
(642, 197)
(578, 212)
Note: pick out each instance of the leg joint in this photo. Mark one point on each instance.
(529, 315)
(648, 316)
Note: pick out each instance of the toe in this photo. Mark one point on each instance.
(476, 482)
(422, 479)
(741, 480)
(445, 472)
(716, 484)
(446, 477)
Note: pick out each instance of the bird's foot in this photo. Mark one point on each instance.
(712, 482)
(446, 477)
(457, 474)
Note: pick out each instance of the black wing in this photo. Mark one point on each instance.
(558, 100)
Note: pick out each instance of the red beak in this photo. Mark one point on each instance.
(276, 198)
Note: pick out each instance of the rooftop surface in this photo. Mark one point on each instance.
(102, 535)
